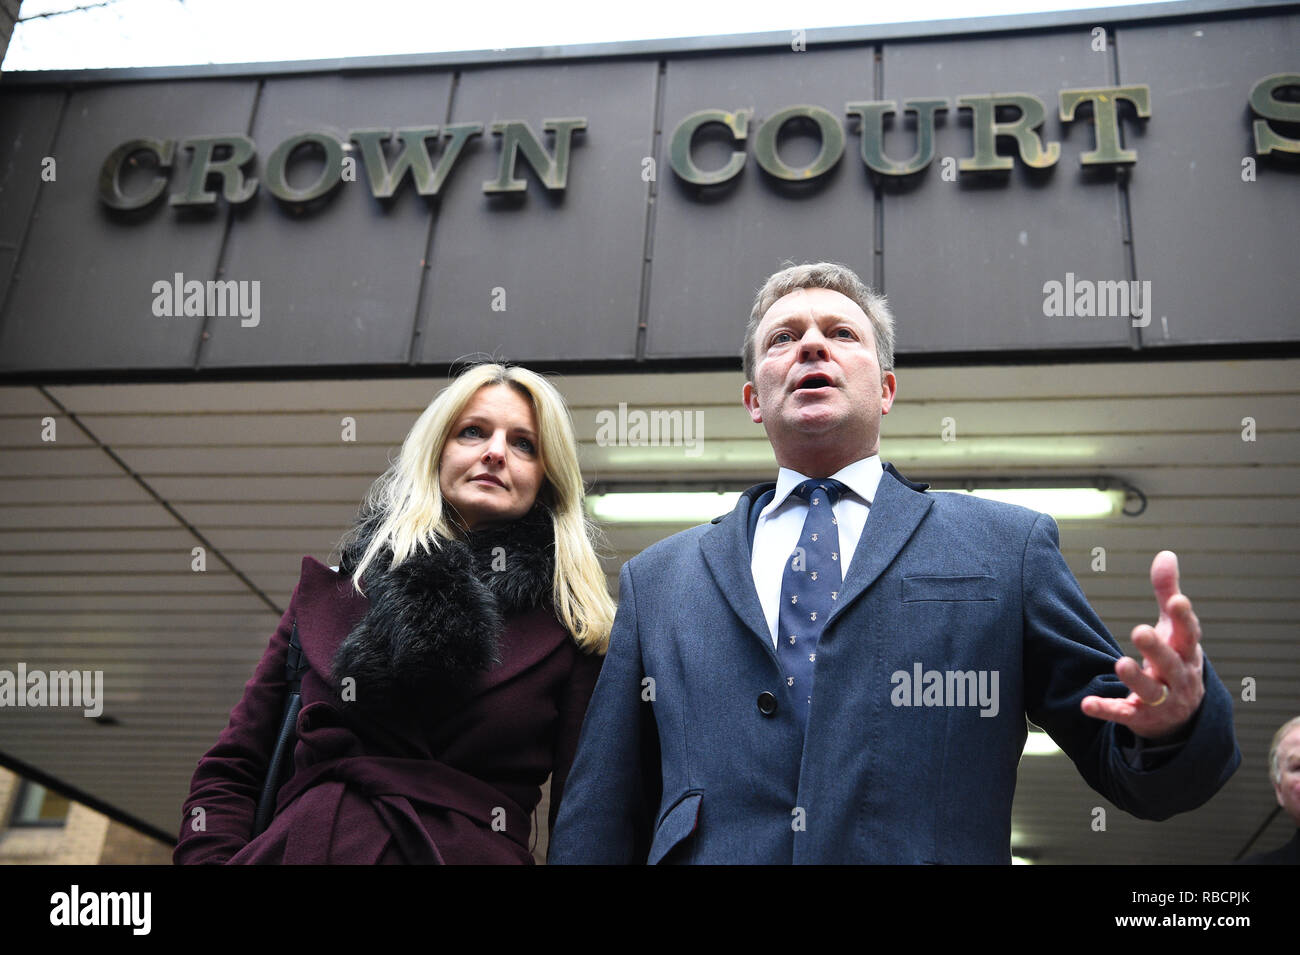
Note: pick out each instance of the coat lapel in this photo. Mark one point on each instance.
(328, 608)
(726, 552)
(895, 514)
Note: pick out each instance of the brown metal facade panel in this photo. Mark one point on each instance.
(340, 276)
(544, 274)
(83, 293)
(966, 257)
(715, 245)
(1215, 226)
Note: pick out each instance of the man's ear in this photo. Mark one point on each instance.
(749, 396)
(888, 390)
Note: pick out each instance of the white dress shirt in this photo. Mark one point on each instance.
(781, 522)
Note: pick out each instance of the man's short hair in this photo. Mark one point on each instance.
(837, 278)
(1274, 768)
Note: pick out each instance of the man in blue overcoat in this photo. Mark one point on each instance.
(839, 670)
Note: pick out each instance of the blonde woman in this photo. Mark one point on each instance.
(450, 658)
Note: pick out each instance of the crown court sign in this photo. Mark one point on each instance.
(226, 157)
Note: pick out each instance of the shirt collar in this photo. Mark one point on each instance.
(861, 478)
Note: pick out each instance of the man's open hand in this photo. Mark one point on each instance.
(1168, 687)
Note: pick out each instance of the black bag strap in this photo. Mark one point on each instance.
(281, 766)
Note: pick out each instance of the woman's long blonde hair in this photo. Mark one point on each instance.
(406, 504)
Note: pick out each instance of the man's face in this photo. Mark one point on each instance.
(816, 374)
(1287, 785)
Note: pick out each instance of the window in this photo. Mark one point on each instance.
(38, 806)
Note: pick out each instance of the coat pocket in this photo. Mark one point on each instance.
(676, 826)
(979, 587)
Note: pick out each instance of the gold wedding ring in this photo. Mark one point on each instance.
(1163, 696)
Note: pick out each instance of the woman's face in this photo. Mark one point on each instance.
(491, 470)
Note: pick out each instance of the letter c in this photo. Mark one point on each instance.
(110, 188)
(679, 150)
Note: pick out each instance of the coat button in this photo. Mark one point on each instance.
(766, 703)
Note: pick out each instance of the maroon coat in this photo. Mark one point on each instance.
(458, 788)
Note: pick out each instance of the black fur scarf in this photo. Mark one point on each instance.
(436, 618)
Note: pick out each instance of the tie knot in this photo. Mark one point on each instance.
(812, 490)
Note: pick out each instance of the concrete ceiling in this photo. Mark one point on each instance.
(97, 529)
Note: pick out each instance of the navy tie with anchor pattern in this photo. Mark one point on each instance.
(809, 588)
